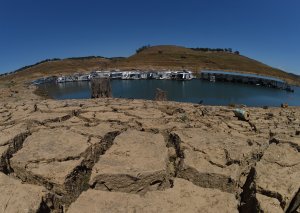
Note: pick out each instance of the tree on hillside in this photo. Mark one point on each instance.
(229, 50)
(143, 48)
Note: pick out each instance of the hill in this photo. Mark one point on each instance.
(175, 57)
(151, 58)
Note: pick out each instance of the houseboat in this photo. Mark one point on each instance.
(85, 77)
(134, 75)
(116, 75)
(61, 79)
(184, 75)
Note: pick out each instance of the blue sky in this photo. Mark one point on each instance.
(34, 30)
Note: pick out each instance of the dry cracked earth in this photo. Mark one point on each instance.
(117, 155)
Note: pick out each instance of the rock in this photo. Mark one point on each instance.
(96, 108)
(268, 204)
(18, 197)
(15, 113)
(73, 121)
(9, 134)
(43, 118)
(293, 141)
(183, 197)
(159, 125)
(57, 159)
(106, 116)
(171, 110)
(136, 162)
(213, 160)
(11, 140)
(98, 130)
(294, 205)
(4, 156)
(278, 173)
(146, 113)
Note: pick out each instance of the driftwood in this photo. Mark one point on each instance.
(160, 95)
(101, 88)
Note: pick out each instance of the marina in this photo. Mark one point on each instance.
(124, 75)
(210, 75)
(210, 87)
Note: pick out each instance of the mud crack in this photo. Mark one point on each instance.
(13, 146)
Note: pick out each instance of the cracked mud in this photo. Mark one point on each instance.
(122, 155)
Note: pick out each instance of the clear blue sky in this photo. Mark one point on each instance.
(34, 30)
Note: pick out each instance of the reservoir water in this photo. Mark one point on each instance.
(194, 91)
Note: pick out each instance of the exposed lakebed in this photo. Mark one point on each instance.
(194, 91)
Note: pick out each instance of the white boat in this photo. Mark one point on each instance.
(70, 79)
(134, 75)
(143, 75)
(84, 78)
(125, 75)
(116, 75)
(185, 75)
(61, 79)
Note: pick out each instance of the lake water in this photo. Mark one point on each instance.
(218, 93)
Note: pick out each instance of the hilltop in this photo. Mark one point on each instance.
(157, 57)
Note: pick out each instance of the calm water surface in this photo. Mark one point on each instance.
(218, 93)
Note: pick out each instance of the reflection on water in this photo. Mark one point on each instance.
(219, 93)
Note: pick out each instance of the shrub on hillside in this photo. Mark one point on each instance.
(142, 48)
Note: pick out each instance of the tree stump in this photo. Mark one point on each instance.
(160, 95)
(101, 88)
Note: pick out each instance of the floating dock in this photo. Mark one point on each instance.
(253, 79)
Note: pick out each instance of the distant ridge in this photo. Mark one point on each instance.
(163, 57)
